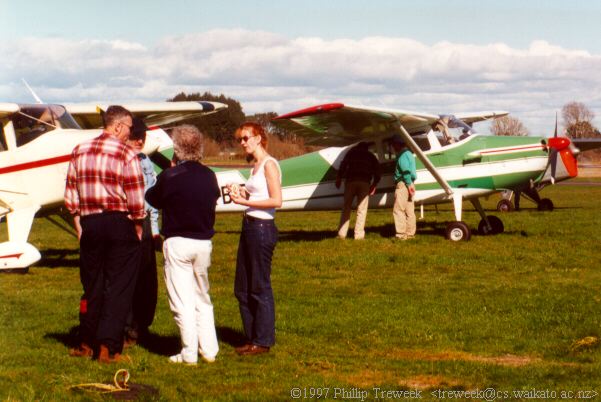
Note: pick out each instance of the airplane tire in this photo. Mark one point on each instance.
(545, 205)
(496, 226)
(504, 206)
(458, 231)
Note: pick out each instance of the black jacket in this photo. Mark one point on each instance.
(187, 194)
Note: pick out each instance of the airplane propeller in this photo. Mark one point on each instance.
(561, 148)
(553, 155)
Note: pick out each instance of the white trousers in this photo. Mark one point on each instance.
(187, 263)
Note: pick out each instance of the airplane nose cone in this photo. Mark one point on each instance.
(559, 143)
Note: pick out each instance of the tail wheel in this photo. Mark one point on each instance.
(504, 206)
(458, 231)
(496, 226)
(545, 205)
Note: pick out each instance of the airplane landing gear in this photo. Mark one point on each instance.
(495, 227)
(504, 205)
(545, 205)
(457, 231)
(489, 225)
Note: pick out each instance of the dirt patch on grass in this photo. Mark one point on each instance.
(429, 382)
(374, 378)
(505, 360)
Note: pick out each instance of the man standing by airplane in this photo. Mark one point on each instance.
(404, 177)
(361, 172)
(105, 195)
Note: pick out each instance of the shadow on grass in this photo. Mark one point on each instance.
(231, 336)
(59, 258)
(170, 345)
(437, 229)
(159, 344)
(70, 339)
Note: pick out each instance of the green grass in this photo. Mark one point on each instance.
(501, 311)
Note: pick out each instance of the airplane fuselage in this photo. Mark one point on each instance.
(477, 166)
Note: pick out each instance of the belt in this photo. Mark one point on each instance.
(253, 219)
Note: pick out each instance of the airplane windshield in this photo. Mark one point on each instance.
(31, 121)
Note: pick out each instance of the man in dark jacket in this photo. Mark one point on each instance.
(361, 172)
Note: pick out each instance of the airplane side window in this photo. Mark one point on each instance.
(28, 129)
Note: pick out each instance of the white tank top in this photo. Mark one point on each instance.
(256, 186)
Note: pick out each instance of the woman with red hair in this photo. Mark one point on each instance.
(262, 194)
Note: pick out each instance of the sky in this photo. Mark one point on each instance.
(526, 57)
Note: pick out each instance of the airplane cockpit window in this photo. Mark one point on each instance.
(31, 121)
(420, 139)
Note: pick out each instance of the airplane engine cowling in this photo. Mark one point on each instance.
(569, 161)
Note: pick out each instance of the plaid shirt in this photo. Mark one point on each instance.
(104, 175)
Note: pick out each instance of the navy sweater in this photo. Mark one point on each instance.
(187, 194)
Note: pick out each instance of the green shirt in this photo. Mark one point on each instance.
(405, 168)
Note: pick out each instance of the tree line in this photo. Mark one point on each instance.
(577, 122)
(220, 127)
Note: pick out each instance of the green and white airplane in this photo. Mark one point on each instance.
(454, 163)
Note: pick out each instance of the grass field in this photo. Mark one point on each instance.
(510, 312)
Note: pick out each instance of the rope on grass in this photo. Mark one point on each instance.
(120, 380)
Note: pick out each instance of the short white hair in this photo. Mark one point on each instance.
(187, 143)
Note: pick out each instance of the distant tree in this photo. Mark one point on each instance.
(508, 125)
(265, 119)
(577, 118)
(219, 126)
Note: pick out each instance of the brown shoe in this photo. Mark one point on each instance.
(243, 348)
(129, 342)
(105, 357)
(254, 350)
(82, 350)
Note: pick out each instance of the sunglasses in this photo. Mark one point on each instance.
(244, 138)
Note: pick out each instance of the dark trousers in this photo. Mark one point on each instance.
(252, 285)
(109, 261)
(145, 295)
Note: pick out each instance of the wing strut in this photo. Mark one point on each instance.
(456, 196)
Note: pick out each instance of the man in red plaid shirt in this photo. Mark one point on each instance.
(105, 195)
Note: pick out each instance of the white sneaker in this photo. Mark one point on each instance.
(208, 359)
(179, 359)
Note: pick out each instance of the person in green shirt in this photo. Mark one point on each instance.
(404, 177)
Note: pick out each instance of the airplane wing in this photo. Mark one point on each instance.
(586, 144)
(154, 114)
(475, 117)
(336, 124)
(8, 108)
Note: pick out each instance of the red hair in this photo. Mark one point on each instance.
(255, 129)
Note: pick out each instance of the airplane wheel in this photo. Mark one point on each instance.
(458, 231)
(545, 205)
(504, 206)
(496, 226)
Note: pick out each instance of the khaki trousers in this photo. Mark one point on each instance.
(352, 189)
(403, 212)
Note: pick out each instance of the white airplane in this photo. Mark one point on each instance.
(36, 141)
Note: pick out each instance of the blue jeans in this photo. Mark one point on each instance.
(252, 286)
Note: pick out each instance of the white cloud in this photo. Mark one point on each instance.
(269, 72)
